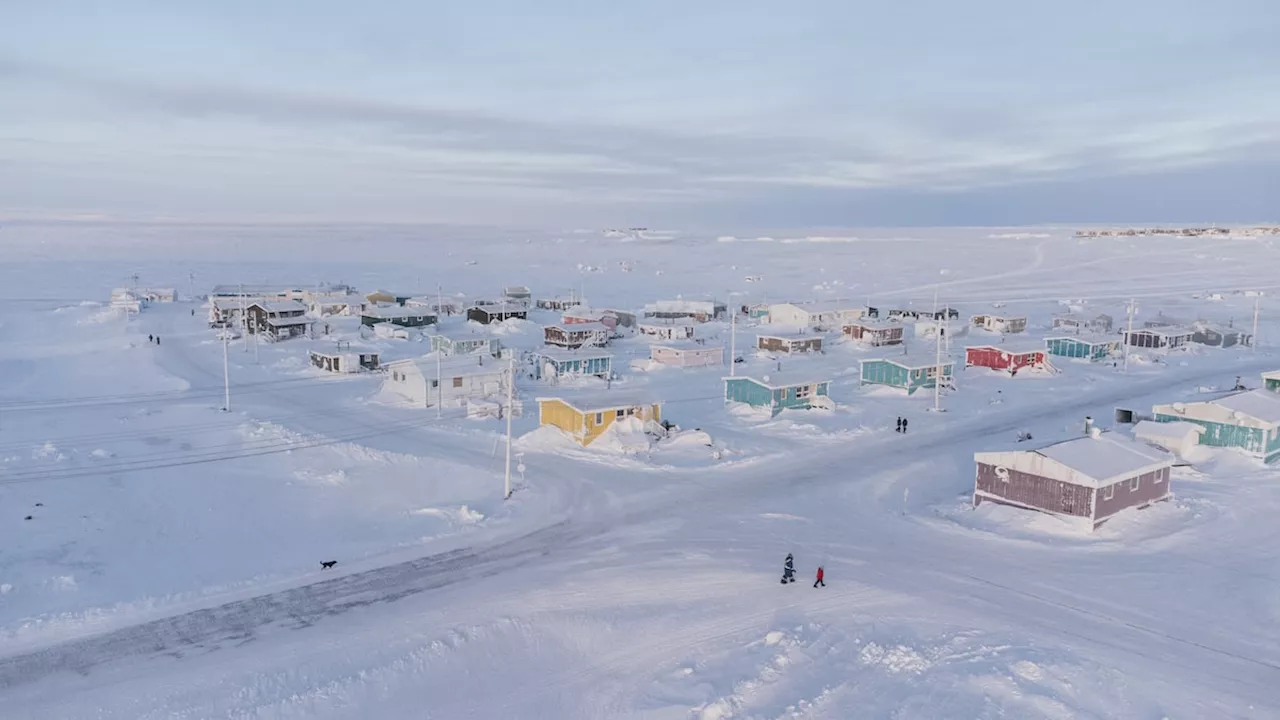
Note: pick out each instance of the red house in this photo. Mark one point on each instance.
(1008, 359)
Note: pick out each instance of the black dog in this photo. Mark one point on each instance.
(328, 564)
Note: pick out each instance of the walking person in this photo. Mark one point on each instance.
(904, 420)
(899, 428)
(789, 570)
(151, 338)
(158, 342)
(819, 581)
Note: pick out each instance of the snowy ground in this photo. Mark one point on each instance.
(170, 567)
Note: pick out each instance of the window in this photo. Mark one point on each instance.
(623, 413)
(599, 418)
(457, 382)
(435, 384)
(1160, 476)
(932, 372)
(1134, 483)
(803, 392)
(1109, 492)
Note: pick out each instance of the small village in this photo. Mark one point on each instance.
(488, 357)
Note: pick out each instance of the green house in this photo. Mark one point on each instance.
(1271, 380)
(549, 363)
(465, 345)
(397, 315)
(1248, 421)
(905, 376)
(1081, 347)
(778, 392)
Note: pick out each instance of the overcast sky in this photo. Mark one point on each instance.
(642, 113)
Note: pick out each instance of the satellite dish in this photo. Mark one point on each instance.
(1002, 473)
(1179, 407)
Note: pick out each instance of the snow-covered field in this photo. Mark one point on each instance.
(170, 567)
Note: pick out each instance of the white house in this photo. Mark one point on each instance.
(390, 331)
(126, 300)
(1004, 324)
(826, 313)
(1176, 437)
(157, 295)
(928, 328)
(687, 354)
(449, 382)
(666, 331)
(696, 310)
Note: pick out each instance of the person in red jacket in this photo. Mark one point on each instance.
(818, 582)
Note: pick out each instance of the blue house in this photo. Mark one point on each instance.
(1271, 380)
(778, 392)
(1082, 347)
(552, 362)
(905, 376)
(465, 344)
(1249, 421)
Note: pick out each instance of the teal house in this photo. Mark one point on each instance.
(778, 392)
(1248, 421)
(551, 362)
(1075, 346)
(904, 375)
(1271, 380)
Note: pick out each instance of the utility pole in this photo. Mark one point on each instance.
(511, 383)
(937, 355)
(244, 318)
(1128, 335)
(733, 344)
(191, 286)
(226, 373)
(1257, 300)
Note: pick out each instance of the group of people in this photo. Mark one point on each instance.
(153, 339)
(789, 572)
(902, 424)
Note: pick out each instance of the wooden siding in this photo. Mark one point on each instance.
(1152, 486)
(789, 345)
(874, 336)
(997, 359)
(1034, 491)
(1256, 441)
(586, 426)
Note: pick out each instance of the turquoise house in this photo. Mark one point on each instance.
(905, 376)
(1079, 347)
(778, 392)
(551, 362)
(1248, 421)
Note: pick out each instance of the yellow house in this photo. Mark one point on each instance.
(586, 423)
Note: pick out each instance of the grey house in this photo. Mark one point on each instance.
(1214, 335)
(1092, 477)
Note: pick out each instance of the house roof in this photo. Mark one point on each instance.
(1165, 331)
(789, 336)
(501, 308)
(451, 366)
(1271, 375)
(580, 327)
(277, 306)
(1179, 430)
(685, 346)
(1109, 456)
(603, 400)
(564, 355)
(397, 311)
(694, 306)
(457, 337)
(778, 381)
(878, 324)
(1018, 348)
(287, 321)
(908, 366)
(1260, 404)
(821, 306)
(660, 323)
(1085, 339)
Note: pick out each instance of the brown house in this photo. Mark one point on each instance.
(1091, 477)
(576, 335)
(874, 332)
(789, 344)
(278, 319)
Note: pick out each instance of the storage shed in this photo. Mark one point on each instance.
(687, 354)
(905, 375)
(1079, 346)
(874, 333)
(1092, 477)
(790, 344)
(1248, 421)
(778, 392)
